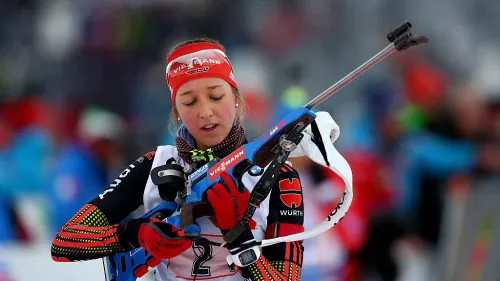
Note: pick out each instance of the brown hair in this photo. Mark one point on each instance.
(242, 108)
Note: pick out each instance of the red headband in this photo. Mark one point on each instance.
(198, 60)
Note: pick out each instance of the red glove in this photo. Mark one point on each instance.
(162, 240)
(228, 203)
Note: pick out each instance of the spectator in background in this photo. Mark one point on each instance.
(456, 140)
(84, 164)
(283, 29)
(6, 227)
(12, 226)
(26, 145)
(7, 230)
(372, 150)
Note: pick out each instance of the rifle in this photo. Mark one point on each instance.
(268, 152)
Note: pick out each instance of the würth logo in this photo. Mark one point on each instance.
(290, 192)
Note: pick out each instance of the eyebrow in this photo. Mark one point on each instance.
(214, 87)
(185, 93)
(209, 88)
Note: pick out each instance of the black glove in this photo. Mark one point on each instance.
(170, 179)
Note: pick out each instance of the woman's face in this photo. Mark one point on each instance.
(207, 107)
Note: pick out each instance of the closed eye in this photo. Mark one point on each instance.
(190, 103)
(217, 98)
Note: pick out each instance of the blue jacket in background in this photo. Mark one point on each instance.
(7, 230)
(24, 171)
(433, 155)
(77, 178)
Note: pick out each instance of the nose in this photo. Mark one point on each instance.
(205, 110)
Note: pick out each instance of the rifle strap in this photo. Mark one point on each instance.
(263, 186)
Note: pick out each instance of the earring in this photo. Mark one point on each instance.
(178, 119)
(237, 105)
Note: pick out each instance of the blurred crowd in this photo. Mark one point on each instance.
(82, 94)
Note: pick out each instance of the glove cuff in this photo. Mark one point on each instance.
(244, 238)
(128, 233)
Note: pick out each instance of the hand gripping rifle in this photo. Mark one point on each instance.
(271, 151)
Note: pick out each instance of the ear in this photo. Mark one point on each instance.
(175, 118)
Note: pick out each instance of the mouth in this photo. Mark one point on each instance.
(209, 127)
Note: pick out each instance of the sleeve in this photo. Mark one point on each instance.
(93, 231)
(282, 261)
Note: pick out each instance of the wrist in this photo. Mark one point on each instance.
(244, 237)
